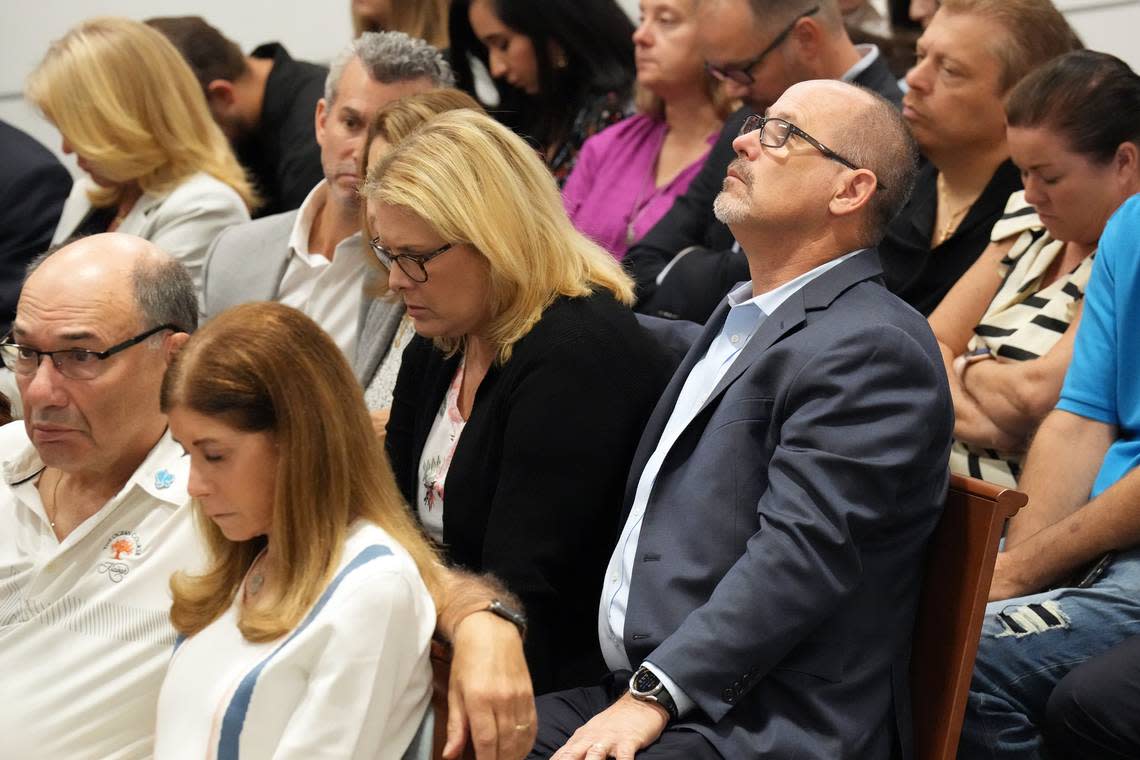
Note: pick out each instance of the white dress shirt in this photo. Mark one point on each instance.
(744, 318)
(331, 293)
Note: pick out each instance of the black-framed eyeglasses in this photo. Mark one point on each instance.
(774, 133)
(74, 363)
(741, 73)
(414, 265)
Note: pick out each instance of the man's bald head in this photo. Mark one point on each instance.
(93, 299)
(870, 132)
(160, 288)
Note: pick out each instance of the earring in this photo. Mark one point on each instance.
(560, 60)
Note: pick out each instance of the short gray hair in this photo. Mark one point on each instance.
(391, 57)
(882, 142)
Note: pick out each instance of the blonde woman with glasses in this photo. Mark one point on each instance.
(157, 166)
(520, 402)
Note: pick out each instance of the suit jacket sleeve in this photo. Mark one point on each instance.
(689, 219)
(186, 224)
(846, 442)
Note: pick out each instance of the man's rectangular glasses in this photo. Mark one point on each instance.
(774, 133)
(411, 264)
(74, 363)
(741, 73)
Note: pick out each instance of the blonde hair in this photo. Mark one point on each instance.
(266, 367)
(426, 19)
(476, 182)
(121, 94)
(392, 123)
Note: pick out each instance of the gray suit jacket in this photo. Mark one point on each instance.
(779, 561)
(378, 323)
(246, 263)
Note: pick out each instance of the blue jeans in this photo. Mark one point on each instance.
(1028, 644)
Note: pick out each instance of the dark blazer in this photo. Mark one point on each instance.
(534, 489)
(780, 557)
(33, 188)
(690, 221)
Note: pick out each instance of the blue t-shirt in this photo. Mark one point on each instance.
(1103, 381)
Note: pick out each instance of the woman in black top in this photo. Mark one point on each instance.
(519, 405)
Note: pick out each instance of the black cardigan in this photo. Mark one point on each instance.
(534, 491)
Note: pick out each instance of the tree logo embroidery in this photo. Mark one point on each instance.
(123, 544)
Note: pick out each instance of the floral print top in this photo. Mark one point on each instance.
(436, 458)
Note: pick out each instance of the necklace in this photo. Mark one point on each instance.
(54, 502)
(953, 219)
(256, 580)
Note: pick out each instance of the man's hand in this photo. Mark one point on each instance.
(623, 729)
(490, 691)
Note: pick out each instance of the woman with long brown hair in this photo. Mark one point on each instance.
(307, 632)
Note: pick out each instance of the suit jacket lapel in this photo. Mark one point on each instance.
(664, 408)
(817, 294)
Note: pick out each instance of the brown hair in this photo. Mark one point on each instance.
(1035, 32)
(1090, 99)
(266, 367)
(211, 54)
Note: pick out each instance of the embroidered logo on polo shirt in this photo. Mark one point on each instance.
(122, 544)
(163, 479)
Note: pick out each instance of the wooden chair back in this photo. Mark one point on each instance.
(952, 604)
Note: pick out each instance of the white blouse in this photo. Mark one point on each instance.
(353, 680)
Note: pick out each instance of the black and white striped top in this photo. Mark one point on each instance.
(1023, 321)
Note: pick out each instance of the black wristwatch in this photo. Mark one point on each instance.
(645, 686)
(509, 614)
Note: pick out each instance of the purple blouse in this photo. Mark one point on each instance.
(610, 195)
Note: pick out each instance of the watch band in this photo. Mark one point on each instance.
(645, 686)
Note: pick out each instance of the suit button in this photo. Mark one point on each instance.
(728, 695)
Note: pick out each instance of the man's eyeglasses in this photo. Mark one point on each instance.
(414, 265)
(741, 73)
(74, 363)
(774, 133)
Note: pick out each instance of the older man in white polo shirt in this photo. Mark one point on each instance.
(94, 518)
(93, 506)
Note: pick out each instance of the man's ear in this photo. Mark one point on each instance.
(853, 191)
(173, 344)
(220, 94)
(320, 119)
(807, 37)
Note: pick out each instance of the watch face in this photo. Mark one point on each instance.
(645, 681)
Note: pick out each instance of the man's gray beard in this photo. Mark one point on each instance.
(728, 209)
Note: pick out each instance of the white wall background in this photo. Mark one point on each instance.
(316, 29)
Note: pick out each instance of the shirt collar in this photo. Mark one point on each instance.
(303, 226)
(164, 474)
(769, 301)
(869, 55)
